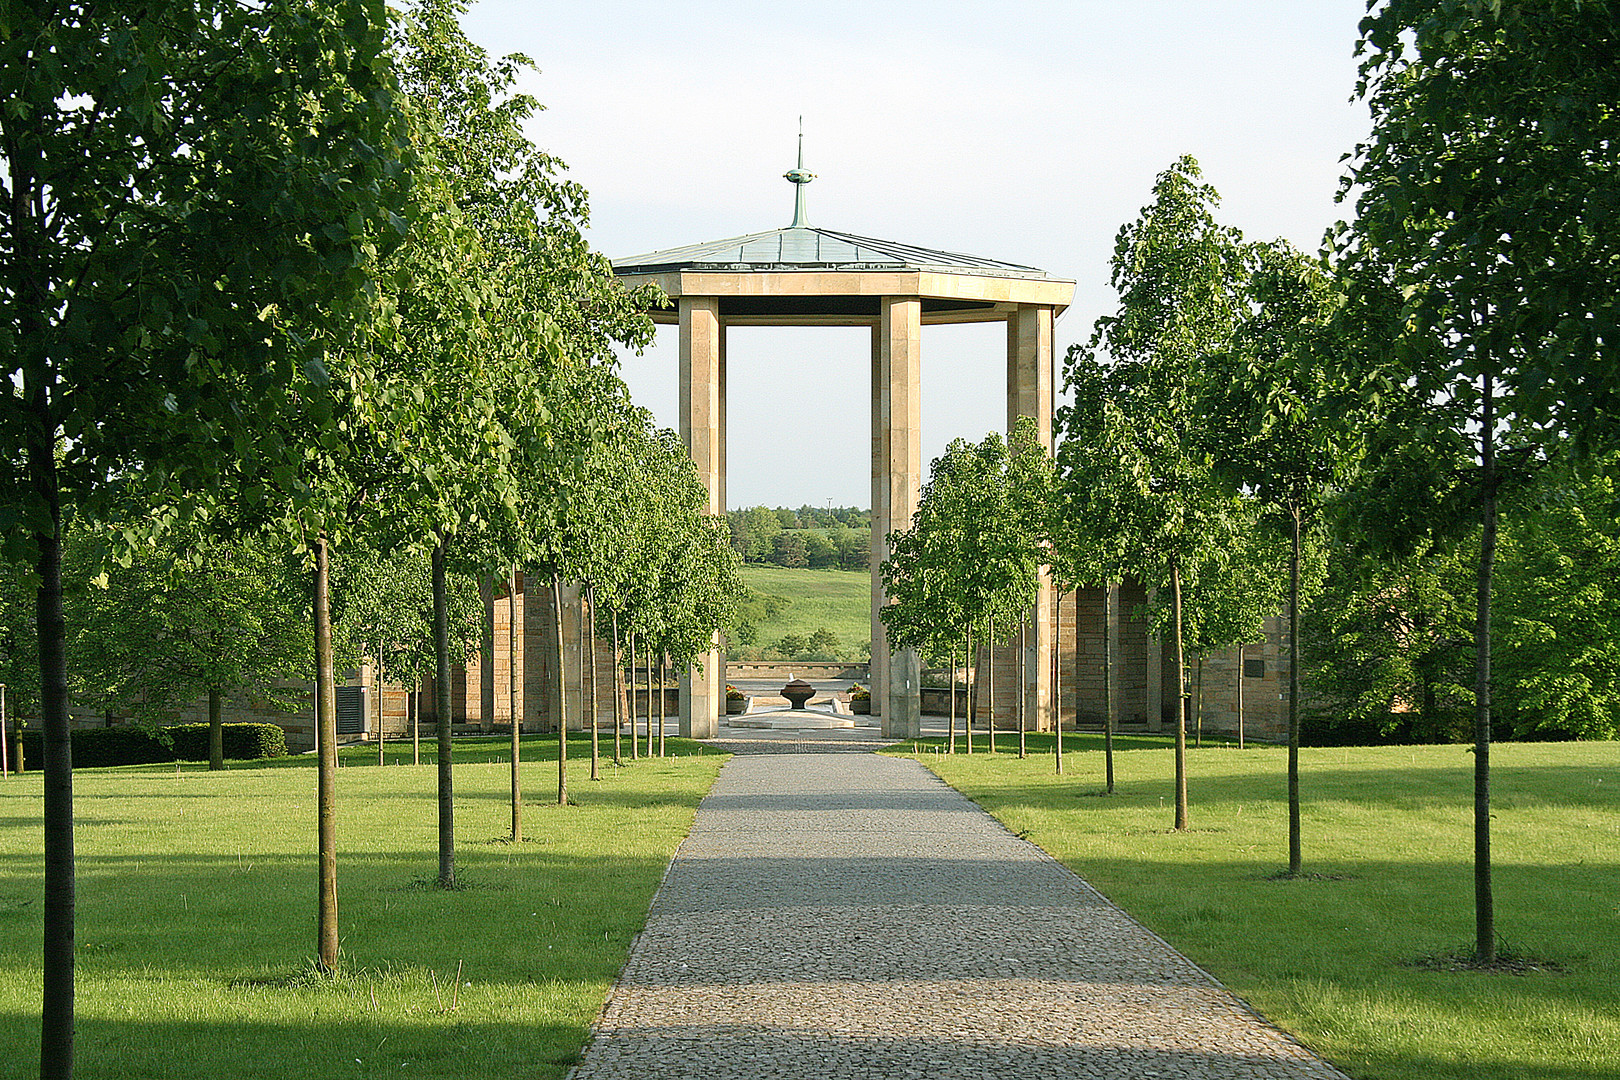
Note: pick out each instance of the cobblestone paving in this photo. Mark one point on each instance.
(848, 915)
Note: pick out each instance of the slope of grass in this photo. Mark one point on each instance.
(840, 600)
(196, 911)
(1336, 957)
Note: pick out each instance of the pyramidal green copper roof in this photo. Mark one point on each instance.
(806, 248)
(802, 247)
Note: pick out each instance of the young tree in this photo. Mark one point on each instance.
(190, 617)
(970, 556)
(1179, 276)
(1276, 428)
(1484, 200)
(181, 181)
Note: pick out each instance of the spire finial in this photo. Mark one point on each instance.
(799, 178)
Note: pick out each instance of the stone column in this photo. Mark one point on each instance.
(703, 430)
(878, 677)
(720, 503)
(897, 467)
(1029, 393)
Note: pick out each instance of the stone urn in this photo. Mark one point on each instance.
(798, 692)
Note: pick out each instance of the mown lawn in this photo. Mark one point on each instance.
(1339, 958)
(196, 914)
(840, 600)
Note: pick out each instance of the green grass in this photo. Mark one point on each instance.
(196, 914)
(840, 600)
(1388, 831)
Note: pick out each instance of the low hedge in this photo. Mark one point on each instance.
(131, 745)
(243, 742)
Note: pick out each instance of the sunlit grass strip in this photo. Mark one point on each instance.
(197, 899)
(1388, 832)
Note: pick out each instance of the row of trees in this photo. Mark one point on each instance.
(839, 538)
(288, 280)
(1451, 354)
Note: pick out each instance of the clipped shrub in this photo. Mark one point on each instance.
(129, 744)
(243, 742)
(94, 747)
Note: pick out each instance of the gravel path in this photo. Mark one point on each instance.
(848, 915)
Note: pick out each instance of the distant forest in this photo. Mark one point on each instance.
(813, 537)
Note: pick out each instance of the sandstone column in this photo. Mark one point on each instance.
(1029, 393)
(703, 430)
(878, 678)
(897, 471)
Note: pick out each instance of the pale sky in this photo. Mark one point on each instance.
(1025, 130)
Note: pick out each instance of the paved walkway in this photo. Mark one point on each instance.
(848, 915)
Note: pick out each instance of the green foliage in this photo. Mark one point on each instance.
(385, 604)
(189, 614)
(1388, 650)
(1137, 493)
(188, 187)
(19, 640)
(972, 553)
(243, 742)
(1393, 658)
(793, 646)
(1484, 198)
(835, 538)
(791, 551)
(662, 562)
(823, 644)
(1558, 613)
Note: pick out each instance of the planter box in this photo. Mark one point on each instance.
(862, 707)
(737, 706)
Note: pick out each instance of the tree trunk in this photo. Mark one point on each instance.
(1294, 857)
(1240, 678)
(990, 650)
(512, 712)
(1484, 906)
(1198, 703)
(635, 744)
(562, 692)
(326, 768)
(618, 692)
(216, 729)
(377, 688)
(413, 707)
(1109, 616)
(588, 628)
(1057, 683)
(663, 721)
(1023, 686)
(441, 710)
(1181, 698)
(950, 742)
(25, 230)
(56, 1028)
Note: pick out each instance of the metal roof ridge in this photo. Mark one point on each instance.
(932, 254)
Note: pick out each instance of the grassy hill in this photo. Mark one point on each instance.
(803, 601)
